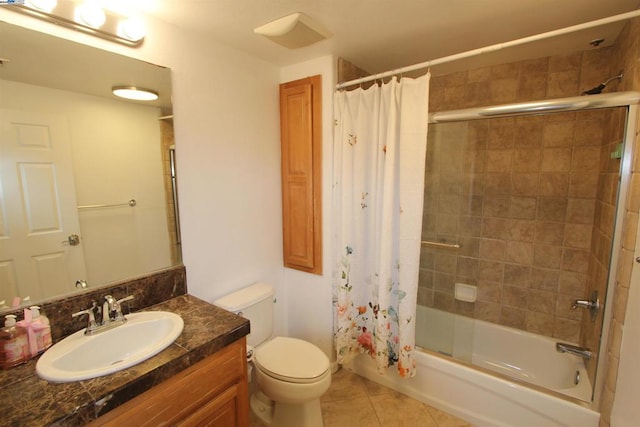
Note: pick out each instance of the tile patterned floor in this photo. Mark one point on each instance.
(353, 401)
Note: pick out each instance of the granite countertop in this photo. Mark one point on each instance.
(26, 400)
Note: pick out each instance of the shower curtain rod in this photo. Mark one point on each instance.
(493, 48)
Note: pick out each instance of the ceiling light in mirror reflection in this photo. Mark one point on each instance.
(135, 93)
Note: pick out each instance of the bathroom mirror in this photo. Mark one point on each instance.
(87, 181)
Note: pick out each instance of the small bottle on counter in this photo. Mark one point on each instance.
(42, 329)
(14, 347)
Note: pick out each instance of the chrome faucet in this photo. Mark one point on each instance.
(574, 349)
(592, 304)
(584, 303)
(110, 309)
(111, 315)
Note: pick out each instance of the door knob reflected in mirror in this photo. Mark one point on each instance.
(72, 240)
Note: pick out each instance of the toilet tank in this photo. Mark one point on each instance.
(255, 303)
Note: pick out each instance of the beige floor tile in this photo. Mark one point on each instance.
(354, 401)
(446, 420)
(375, 389)
(349, 413)
(345, 385)
(397, 410)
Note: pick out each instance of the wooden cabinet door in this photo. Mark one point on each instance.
(213, 392)
(220, 412)
(301, 142)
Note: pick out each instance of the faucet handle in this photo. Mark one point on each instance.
(92, 316)
(129, 298)
(118, 306)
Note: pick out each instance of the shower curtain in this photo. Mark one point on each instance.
(379, 157)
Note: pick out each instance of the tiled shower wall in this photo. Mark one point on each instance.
(626, 57)
(519, 195)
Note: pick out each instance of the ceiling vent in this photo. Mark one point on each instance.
(294, 31)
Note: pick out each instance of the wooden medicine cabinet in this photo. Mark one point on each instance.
(301, 145)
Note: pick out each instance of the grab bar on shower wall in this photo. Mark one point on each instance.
(131, 203)
(441, 244)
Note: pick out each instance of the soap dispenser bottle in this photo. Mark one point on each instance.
(42, 329)
(14, 347)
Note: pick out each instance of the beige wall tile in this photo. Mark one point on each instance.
(562, 84)
(583, 185)
(546, 256)
(575, 260)
(586, 159)
(580, 211)
(549, 233)
(528, 133)
(525, 184)
(566, 329)
(539, 323)
(489, 291)
(514, 296)
(517, 275)
(490, 270)
(552, 209)
(555, 184)
(519, 253)
(492, 249)
(513, 317)
(571, 283)
(558, 133)
(578, 235)
(545, 279)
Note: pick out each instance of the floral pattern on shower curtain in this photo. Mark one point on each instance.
(379, 160)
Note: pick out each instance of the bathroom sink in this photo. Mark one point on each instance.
(80, 356)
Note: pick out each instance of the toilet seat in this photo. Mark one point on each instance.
(291, 360)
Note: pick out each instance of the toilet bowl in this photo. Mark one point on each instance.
(291, 374)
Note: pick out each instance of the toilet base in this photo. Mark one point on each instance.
(262, 407)
(277, 414)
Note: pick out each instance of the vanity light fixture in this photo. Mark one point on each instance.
(44, 5)
(87, 16)
(134, 93)
(91, 14)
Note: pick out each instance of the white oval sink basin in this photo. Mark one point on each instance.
(80, 356)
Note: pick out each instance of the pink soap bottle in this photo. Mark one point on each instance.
(14, 348)
(42, 329)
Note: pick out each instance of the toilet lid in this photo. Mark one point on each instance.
(291, 359)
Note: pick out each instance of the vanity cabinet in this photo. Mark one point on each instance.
(213, 392)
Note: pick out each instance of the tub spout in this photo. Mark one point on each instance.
(573, 349)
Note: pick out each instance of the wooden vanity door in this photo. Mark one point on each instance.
(214, 392)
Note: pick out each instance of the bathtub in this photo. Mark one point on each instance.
(477, 395)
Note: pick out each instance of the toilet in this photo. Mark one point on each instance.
(291, 374)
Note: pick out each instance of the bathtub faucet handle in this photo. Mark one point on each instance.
(592, 304)
(583, 303)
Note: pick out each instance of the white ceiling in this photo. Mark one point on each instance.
(376, 35)
(379, 35)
